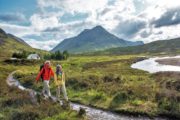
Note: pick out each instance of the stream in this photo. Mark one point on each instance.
(92, 113)
(150, 65)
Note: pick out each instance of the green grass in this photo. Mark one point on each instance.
(161, 47)
(71, 115)
(109, 82)
(16, 104)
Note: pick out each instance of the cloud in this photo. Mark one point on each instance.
(113, 15)
(73, 5)
(10, 17)
(17, 30)
(145, 24)
(161, 33)
(170, 17)
(128, 28)
(45, 45)
(146, 33)
(40, 23)
(90, 8)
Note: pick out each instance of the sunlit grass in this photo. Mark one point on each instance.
(16, 104)
(109, 82)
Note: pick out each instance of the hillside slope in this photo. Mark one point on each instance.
(10, 44)
(93, 39)
(161, 46)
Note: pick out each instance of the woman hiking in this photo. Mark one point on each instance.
(46, 73)
(60, 83)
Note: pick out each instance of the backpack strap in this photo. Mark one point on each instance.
(42, 74)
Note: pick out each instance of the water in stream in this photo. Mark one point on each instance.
(150, 65)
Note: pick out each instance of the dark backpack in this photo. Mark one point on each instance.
(41, 67)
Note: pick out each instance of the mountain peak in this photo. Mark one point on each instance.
(90, 40)
(84, 31)
(99, 27)
(94, 29)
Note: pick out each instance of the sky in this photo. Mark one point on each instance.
(45, 23)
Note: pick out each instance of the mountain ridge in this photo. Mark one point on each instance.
(18, 39)
(159, 46)
(93, 39)
(4, 35)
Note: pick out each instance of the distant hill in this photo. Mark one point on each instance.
(93, 39)
(2, 36)
(18, 39)
(160, 46)
(10, 43)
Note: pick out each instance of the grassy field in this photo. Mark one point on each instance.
(163, 47)
(16, 104)
(108, 82)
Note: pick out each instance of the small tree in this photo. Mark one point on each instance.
(24, 54)
(52, 56)
(65, 55)
(58, 55)
(20, 55)
(15, 55)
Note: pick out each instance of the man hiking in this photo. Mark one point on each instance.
(46, 73)
(60, 83)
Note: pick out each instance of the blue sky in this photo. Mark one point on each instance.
(45, 23)
(24, 7)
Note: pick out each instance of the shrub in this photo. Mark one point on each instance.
(57, 55)
(76, 84)
(119, 98)
(20, 55)
(99, 96)
(24, 116)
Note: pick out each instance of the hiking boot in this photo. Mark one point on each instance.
(43, 94)
(82, 111)
(50, 98)
(66, 104)
(59, 102)
(45, 97)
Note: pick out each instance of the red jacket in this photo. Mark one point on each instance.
(46, 72)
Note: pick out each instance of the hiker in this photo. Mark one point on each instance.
(46, 73)
(41, 67)
(60, 83)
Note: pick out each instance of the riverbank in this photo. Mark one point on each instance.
(169, 61)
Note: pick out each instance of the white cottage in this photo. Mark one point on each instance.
(34, 56)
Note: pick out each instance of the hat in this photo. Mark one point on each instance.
(47, 61)
(58, 65)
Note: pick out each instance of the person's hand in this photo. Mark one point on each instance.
(36, 82)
